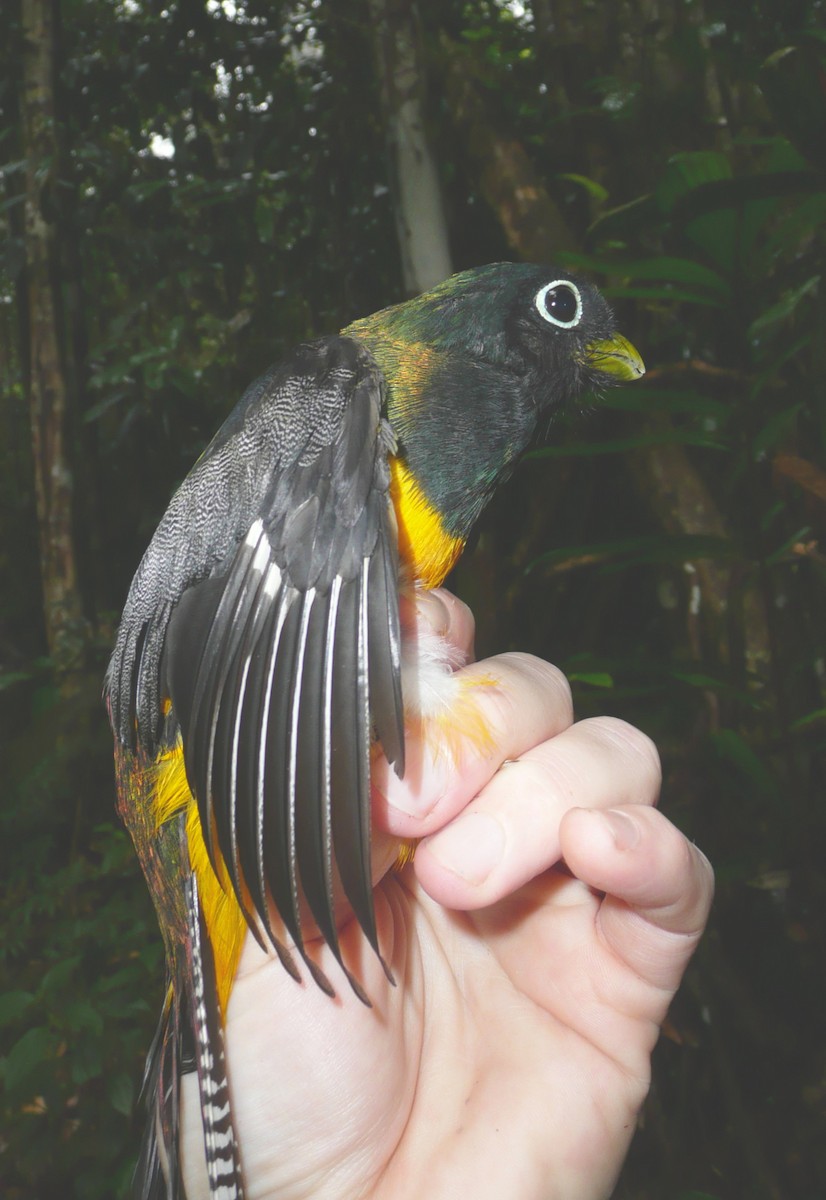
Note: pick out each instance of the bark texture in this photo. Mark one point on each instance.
(421, 224)
(48, 396)
(535, 228)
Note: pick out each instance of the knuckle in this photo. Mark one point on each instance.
(633, 743)
(432, 610)
(462, 620)
(543, 675)
(542, 678)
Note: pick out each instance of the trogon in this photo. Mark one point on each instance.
(260, 656)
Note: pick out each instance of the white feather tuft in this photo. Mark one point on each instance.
(429, 686)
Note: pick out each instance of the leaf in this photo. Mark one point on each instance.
(642, 398)
(82, 1016)
(734, 749)
(13, 1005)
(85, 1060)
(792, 82)
(142, 191)
(723, 217)
(671, 294)
(34, 1048)
(672, 437)
(595, 678)
(59, 976)
(594, 189)
(97, 410)
(636, 217)
(636, 550)
(118, 980)
(665, 267)
(797, 226)
(783, 551)
(265, 214)
(699, 680)
(784, 308)
(777, 429)
(716, 233)
(121, 1093)
(772, 372)
(710, 683)
(9, 678)
(688, 171)
(817, 717)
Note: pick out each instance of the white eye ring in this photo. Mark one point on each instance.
(539, 301)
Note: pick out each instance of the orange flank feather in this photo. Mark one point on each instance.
(462, 726)
(457, 727)
(406, 853)
(224, 920)
(459, 731)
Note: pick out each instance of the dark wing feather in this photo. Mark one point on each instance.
(266, 610)
(274, 812)
(275, 642)
(214, 681)
(384, 652)
(309, 793)
(157, 1172)
(350, 757)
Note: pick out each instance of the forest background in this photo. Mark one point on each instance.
(191, 187)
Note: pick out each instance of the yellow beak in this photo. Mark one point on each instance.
(616, 357)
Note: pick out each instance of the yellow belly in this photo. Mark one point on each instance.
(225, 922)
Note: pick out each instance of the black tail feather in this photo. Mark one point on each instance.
(157, 1173)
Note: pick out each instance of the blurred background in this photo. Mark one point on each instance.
(189, 188)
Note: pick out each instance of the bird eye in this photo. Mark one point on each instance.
(560, 303)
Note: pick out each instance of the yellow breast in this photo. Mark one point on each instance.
(425, 547)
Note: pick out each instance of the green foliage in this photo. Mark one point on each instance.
(223, 195)
(80, 973)
(677, 575)
(730, 299)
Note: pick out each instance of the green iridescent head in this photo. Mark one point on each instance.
(482, 356)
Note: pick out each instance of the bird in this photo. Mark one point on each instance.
(260, 654)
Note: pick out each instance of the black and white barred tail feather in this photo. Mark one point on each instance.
(222, 1163)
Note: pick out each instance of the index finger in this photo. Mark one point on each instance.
(658, 887)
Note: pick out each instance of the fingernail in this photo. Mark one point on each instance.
(470, 847)
(625, 831)
(421, 789)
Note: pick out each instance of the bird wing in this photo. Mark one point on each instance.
(266, 610)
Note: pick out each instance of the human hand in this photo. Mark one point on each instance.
(513, 1055)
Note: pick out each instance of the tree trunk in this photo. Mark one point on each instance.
(536, 231)
(535, 228)
(420, 217)
(66, 629)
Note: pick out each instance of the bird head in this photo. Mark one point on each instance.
(472, 365)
